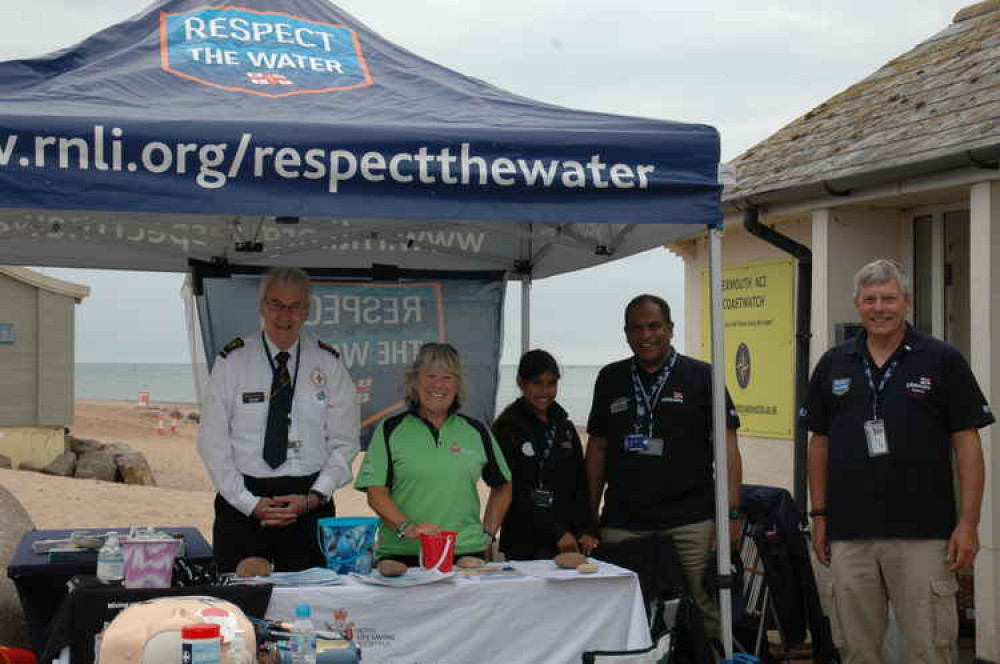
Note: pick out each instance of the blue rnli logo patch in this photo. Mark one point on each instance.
(841, 386)
(269, 54)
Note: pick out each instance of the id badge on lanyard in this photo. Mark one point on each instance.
(541, 497)
(876, 437)
(639, 441)
(878, 443)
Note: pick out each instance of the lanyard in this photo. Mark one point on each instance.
(886, 375)
(274, 369)
(645, 402)
(550, 442)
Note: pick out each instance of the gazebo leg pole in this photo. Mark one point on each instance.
(525, 314)
(719, 438)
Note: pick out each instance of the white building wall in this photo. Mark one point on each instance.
(852, 238)
(847, 239)
(984, 264)
(843, 240)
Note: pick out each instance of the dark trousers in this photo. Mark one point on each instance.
(292, 548)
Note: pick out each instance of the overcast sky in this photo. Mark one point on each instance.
(746, 68)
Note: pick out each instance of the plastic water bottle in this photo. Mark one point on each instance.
(238, 653)
(201, 644)
(303, 641)
(110, 561)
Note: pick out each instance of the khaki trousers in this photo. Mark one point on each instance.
(913, 576)
(694, 543)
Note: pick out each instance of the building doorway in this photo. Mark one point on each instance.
(941, 276)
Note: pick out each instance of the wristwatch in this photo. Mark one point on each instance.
(401, 529)
(323, 500)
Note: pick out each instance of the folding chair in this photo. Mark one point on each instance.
(779, 586)
(755, 594)
(659, 653)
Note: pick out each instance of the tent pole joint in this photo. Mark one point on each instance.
(727, 581)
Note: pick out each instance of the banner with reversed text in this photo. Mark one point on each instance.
(378, 327)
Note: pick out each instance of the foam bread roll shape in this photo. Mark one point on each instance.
(570, 560)
(391, 568)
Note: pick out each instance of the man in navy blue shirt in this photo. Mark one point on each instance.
(887, 411)
(651, 447)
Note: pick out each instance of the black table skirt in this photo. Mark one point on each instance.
(86, 611)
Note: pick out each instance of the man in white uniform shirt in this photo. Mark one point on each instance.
(279, 431)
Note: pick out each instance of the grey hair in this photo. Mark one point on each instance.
(284, 276)
(882, 271)
(433, 355)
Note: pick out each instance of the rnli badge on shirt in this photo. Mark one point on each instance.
(619, 405)
(841, 386)
(673, 397)
(456, 448)
(920, 387)
(317, 377)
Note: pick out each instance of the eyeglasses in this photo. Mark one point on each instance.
(296, 308)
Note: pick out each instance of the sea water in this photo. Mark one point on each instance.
(175, 383)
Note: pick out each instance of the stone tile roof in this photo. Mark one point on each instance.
(941, 98)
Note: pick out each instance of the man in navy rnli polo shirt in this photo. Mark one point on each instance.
(888, 410)
(650, 444)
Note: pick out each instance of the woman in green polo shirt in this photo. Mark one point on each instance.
(422, 466)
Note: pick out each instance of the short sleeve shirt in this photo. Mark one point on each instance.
(646, 492)
(432, 476)
(930, 394)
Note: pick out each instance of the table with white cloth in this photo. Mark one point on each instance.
(529, 619)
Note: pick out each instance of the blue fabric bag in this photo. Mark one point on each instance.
(348, 542)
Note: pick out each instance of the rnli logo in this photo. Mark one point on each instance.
(269, 54)
(841, 386)
(743, 366)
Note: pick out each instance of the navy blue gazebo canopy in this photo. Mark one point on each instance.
(194, 131)
(286, 132)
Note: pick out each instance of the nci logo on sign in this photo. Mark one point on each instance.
(270, 54)
(743, 366)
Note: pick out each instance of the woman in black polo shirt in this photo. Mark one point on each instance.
(550, 512)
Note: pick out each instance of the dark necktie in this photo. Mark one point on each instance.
(280, 406)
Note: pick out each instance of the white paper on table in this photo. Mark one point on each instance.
(415, 576)
(314, 576)
(548, 570)
(490, 572)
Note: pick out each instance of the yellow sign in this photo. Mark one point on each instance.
(757, 304)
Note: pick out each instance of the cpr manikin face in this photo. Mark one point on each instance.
(150, 632)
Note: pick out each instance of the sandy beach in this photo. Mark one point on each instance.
(183, 495)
